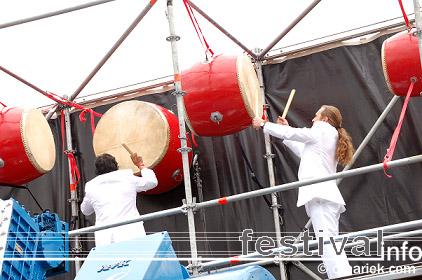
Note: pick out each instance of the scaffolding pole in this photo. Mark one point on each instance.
(269, 156)
(55, 13)
(290, 27)
(73, 193)
(107, 56)
(256, 193)
(225, 32)
(189, 206)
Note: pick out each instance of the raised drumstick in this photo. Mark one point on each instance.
(289, 101)
(127, 149)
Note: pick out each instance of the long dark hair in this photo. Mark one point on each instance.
(345, 149)
(105, 163)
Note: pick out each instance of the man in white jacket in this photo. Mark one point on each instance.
(320, 148)
(112, 196)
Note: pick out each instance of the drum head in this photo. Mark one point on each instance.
(249, 86)
(141, 126)
(38, 140)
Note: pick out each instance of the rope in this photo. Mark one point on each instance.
(72, 162)
(254, 178)
(197, 28)
(404, 15)
(390, 151)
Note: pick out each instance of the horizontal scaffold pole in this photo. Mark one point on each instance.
(256, 193)
(55, 13)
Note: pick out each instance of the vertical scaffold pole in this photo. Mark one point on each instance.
(190, 207)
(418, 19)
(269, 156)
(73, 193)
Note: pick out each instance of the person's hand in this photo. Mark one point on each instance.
(137, 160)
(282, 121)
(256, 122)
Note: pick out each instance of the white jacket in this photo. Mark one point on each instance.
(112, 196)
(316, 147)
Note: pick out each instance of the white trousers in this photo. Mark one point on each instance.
(325, 217)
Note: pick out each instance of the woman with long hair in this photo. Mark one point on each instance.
(319, 148)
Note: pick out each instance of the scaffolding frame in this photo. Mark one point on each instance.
(189, 204)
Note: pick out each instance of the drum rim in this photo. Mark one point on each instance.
(187, 120)
(239, 63)
(25, 142)
(384, 68)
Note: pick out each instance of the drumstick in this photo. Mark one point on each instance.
(127, 149)
(289, 101)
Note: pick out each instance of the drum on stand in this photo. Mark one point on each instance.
(222, 96)
(149, 130)
(401, 63)
(27, 149)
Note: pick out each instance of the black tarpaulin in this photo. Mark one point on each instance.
(349, 78)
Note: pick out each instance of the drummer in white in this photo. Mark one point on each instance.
(112, 196)
(320, 148)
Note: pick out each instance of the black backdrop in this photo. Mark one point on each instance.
(350, 78)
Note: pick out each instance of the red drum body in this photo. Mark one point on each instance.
(149, 130)
(27, 145)
(222, 96)
(401, 63)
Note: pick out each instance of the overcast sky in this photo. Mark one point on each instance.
(58, 53)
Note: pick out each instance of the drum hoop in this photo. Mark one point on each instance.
(242, 89)
(25, 143)
(384, 68)
(187, 120)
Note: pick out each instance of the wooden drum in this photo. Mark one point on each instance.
(27, 145)
(222, 96)
(149, 130)
(401, 63)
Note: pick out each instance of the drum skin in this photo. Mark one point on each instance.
(401, 62)
(27, 145)
(149, 130)
(227, 85)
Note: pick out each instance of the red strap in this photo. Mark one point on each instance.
(405, 16)
(73, 104)
(390, 151)
(264, 115)
(197, 28)
(72, 162)
(3, 104)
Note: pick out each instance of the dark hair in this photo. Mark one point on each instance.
(105, 163)
(345, 149)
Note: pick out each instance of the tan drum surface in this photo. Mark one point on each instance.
(38, 140)
(249, 86)
(141, 126)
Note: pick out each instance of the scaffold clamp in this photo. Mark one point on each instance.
(186, 207)
(184, 149)
(173, 38)
(181, 92)
(191, 266)
(268, 155)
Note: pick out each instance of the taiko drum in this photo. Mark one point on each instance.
(222, 96)
(149, 130)
(27, 145)
(401, 63)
